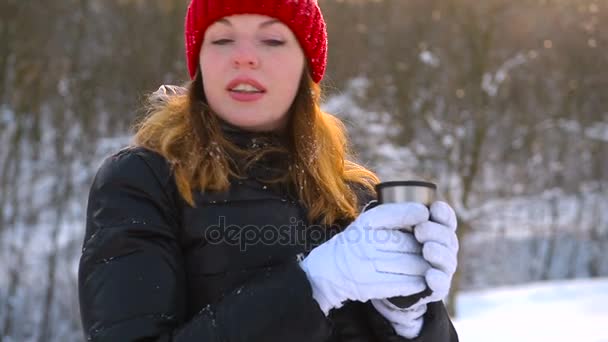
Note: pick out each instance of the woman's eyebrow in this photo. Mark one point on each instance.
(264, 24)
(269, 22)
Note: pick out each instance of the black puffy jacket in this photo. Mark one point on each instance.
(155, 269)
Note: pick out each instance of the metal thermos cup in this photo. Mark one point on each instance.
(407, 191)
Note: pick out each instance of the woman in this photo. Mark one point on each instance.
(235, 214)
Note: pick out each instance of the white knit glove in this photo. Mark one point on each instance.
(440, 249)
(369, 259)
(406, 322)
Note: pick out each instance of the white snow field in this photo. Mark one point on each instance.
(568, 311)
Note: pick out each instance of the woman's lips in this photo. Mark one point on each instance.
(245, 97)
(245, 80)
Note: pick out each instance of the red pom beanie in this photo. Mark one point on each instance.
(303, 17)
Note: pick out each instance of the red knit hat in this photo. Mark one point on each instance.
(303, 17)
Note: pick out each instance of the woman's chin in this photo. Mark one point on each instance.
(253, 125)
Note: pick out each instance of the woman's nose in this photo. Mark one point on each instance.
(245, 56)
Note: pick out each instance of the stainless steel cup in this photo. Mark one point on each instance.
(407, 191)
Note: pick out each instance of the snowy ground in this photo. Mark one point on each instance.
(554, 312)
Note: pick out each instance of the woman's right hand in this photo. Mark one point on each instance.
(370, 259)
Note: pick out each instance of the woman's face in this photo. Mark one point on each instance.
(251, 67)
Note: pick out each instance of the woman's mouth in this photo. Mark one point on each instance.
(245, 90)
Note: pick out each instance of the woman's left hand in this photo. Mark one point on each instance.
(440, 248)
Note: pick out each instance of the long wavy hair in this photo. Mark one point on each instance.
(184, 130)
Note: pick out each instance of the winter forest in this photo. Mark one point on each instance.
(504, 104)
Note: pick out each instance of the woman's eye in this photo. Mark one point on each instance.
(222, 41)
(273, 42)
